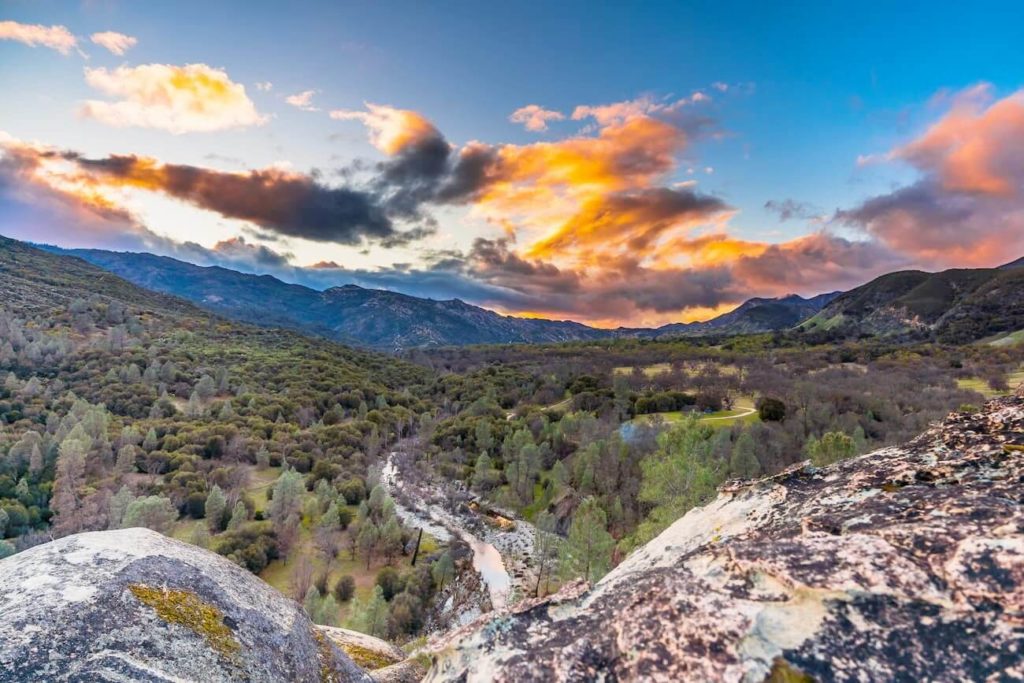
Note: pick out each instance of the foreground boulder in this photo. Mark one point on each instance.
(903, 564)
(132, 605)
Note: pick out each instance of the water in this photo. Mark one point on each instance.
(487, 561)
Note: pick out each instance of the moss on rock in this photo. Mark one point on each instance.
(185, 608)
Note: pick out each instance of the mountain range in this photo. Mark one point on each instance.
(389, 320)
(958, 305)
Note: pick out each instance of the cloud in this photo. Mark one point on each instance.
(264, 86)
(535, 118)
(117, 43)
(238, 254)
(629, 224)
(276, 200)
(967, 207)
(788, 209)
(391, 129)
(303, 100)
(54, 37)
(178, 99)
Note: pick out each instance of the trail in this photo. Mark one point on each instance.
(750, 411)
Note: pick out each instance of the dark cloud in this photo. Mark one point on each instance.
(290, 204)
(788, 209)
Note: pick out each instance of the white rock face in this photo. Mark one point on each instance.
(132, 605)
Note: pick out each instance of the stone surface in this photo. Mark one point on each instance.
(902, 564)
(132, 605)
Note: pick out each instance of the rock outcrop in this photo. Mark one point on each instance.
(903, 564)
(385, 662)
(132, 605)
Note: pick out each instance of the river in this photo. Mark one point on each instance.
(443, 525)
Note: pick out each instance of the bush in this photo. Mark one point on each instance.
(771, 409)
(345, 588)
(252, 546)
(390, 582)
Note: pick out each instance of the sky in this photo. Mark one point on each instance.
(612, 163)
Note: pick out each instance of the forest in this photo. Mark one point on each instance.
(120, 407)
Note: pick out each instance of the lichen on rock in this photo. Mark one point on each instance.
(185, 608)
(132, 605)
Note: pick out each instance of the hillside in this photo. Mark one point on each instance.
(754, 316)
(958, 306)
(350, 314)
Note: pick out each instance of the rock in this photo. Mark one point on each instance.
(132, 605)
(385, 662)
(903, 564)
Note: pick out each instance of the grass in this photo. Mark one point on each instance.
(1010, 339)
(722, 418)
(1015, 379)
(689, 369)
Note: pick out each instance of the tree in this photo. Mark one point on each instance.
(443, 570)
(483, 478)
(390, 582)
(119, 503)
(287, 496)
(588, 550)
(262, 458)
(679, 475)
(546, 546)
(391, 539)
(125, 460)
(831, 447)
(151, 441)
(302, 578)
(216, 504)
(205, 387)
(194, 408)
(369, 536)
(743, 464)
(311, 601)
(239, 516)
(370, 615)
(3, 522)
(6, 549)
(153, 512)
(68, 480)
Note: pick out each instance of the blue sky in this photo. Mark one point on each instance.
(794, 96)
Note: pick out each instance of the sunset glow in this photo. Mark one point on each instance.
(634, 196)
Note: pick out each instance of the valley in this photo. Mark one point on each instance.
(404, 496)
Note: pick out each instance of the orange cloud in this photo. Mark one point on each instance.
(974, 148)
(178, 99)
(391, 130)
(54, 37)
(967, 208)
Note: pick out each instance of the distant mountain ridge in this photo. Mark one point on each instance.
(957, 306)
(756, 315)
(349, 314)
(393, 321)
